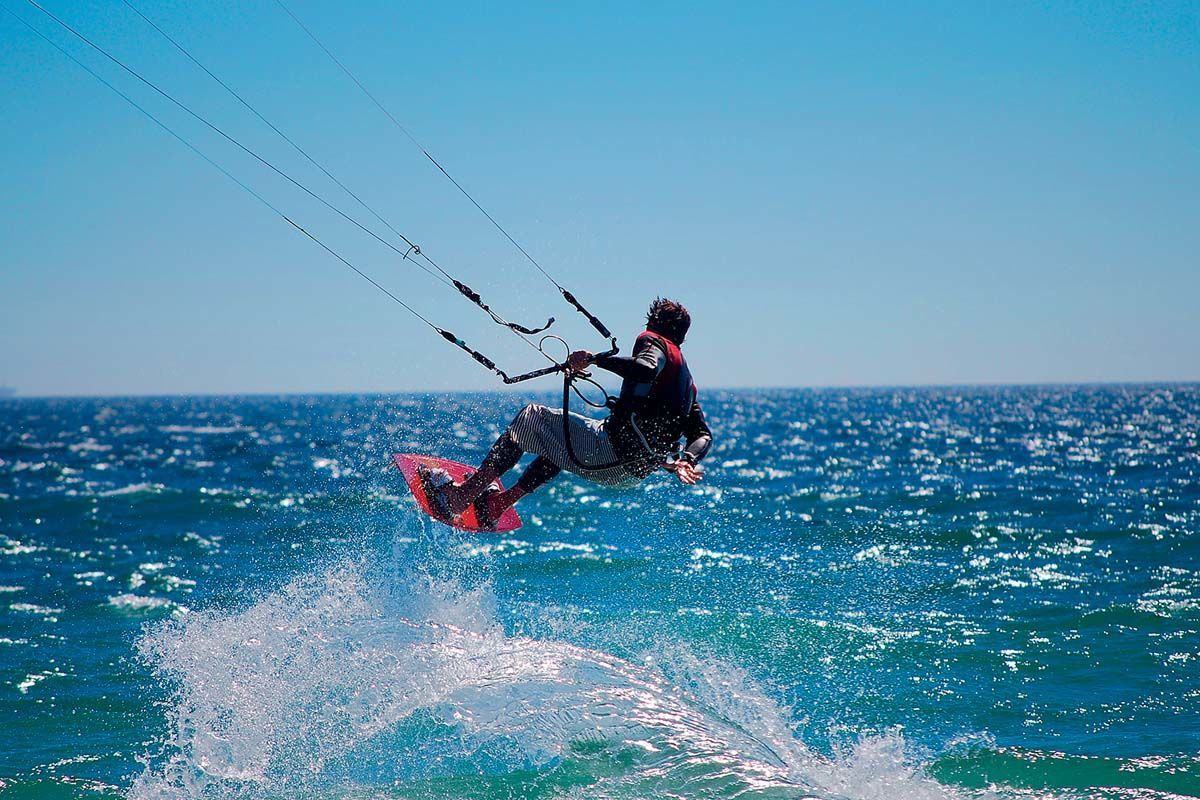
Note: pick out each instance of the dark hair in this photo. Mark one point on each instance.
(669, 318)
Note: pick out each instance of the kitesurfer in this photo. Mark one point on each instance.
(657, 406)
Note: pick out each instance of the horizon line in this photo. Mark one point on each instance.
(505, 390)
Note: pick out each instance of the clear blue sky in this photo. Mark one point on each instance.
(843, 193)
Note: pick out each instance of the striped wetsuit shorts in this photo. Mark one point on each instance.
(539, 430)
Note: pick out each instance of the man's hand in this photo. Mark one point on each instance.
(686, 471)
(578, 361)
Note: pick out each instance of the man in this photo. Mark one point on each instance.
(657, 405)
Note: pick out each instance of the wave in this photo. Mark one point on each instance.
(343, 683)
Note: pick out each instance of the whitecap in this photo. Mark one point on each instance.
(89, 446)
(35, 678)
(13, 547)
(48, 612)
(135, 488)
(138, 602)
(203, 430)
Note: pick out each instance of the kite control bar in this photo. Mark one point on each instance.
(488, 363)
(552, 369)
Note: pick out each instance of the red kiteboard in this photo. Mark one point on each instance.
(408, 464)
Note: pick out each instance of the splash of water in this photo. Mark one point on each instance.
(341, 682)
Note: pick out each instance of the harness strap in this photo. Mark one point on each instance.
(568, 379)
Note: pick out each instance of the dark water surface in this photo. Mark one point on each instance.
(876, 594)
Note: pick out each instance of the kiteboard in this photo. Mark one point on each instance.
(411, 465)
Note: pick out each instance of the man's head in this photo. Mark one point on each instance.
(669, 318)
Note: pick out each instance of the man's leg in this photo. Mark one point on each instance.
(503, 456)
(541, 471)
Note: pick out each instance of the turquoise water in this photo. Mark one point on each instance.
(876, 594)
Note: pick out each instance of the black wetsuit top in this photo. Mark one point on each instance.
(643, 432)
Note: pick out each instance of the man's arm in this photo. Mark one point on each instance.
(643, 366)
(699, 440)
(698, 435)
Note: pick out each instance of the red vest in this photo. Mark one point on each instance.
(673, 389)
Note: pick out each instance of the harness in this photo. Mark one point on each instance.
(672, 388)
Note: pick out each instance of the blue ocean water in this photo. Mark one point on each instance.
(909, 593)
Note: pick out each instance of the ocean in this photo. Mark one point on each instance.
(876, 593)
